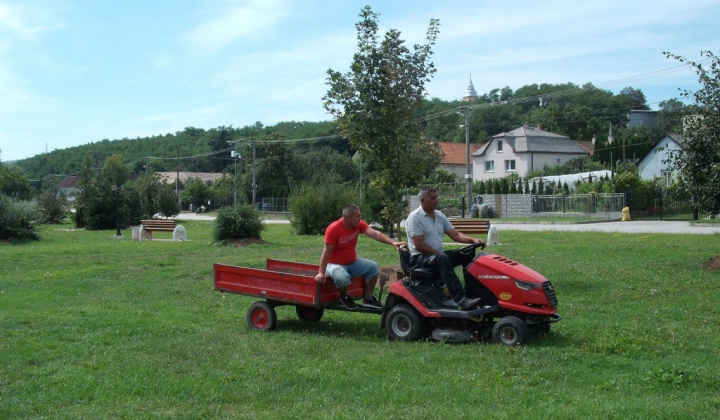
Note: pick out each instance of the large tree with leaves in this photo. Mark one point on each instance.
(375, 102)
(699, 157)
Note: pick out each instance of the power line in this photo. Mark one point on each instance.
(559, 93)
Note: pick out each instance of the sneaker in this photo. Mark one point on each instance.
(348, 302)
(468, 303)
(371, 302)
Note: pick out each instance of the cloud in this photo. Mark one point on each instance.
(12, 21)
(244, 23)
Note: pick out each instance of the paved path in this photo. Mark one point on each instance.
(642, 226)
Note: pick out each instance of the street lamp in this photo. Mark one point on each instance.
(117, 190)
(235, 155)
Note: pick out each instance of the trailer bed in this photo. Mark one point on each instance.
(282, 282)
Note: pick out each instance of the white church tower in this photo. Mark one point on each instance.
(470, 94)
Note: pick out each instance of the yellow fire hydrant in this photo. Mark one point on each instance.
(626, 214)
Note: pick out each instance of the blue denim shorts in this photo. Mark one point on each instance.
(341, 274)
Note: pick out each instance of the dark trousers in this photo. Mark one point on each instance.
(444, 264)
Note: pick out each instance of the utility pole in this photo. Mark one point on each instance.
(177, 176)
(610, 142)
(254, 184)
(468, 172)
(235, 155)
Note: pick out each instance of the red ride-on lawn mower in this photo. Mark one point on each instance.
(515, 301)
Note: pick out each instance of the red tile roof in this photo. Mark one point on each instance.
(69, 182)
(455, 153)
(587, 145)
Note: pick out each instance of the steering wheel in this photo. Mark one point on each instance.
(470, 248)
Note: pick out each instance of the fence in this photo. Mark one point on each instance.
(579, 203)
(531, 205)
(664, 205)
(273, 204)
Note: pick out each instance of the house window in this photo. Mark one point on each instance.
(667, 176)
(489, 166)
(509, 166)
(499, 146)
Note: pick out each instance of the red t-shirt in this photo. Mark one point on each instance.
(344, 241)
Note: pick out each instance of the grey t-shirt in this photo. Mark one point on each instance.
(420, 223)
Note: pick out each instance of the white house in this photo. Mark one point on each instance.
(521, 151)
(69, 187)
(658, 162)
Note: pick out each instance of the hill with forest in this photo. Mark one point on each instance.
(580, 112)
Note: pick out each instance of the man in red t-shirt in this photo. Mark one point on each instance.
(339, 259)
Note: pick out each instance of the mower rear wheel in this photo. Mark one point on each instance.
(404, 323)
(511, 331)
(309, 314)
(261, 316)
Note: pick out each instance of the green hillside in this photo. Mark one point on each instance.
(578, 112)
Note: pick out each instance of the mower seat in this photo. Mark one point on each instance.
(421, 275)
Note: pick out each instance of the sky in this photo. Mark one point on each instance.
(74, 72)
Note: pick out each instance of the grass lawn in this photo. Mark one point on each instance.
(95, 328)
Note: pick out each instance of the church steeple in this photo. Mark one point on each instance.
(470, 94)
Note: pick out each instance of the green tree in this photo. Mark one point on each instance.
(52, 207)
(375, 104)
(220, 143)
(97, 205)
(196, 192)
(314, 207)
(17, 220)
(671, 114)
(13, 182)
(699, 156)
(223, 191)
(115, 171)
(155, 196)
(321, 166)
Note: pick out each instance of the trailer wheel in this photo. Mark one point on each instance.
(403, 323)
(261, 316)
(309, 314)
(510, 331)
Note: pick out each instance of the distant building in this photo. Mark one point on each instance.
(571, 179)
(454, 158)
(69, 187)
(521, 151)
(641, 118)
(207, 177)
(470, 94)
(658, 162)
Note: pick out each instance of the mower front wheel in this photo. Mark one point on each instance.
(404, 323)
(511, 331)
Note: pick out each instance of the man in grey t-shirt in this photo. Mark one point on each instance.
(425, 229)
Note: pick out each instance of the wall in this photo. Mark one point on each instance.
(518, 206)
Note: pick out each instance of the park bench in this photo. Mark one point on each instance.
(147, 227)
(471, 226)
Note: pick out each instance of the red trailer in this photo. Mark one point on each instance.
(284, 283)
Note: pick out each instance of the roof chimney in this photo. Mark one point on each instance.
(539, 126)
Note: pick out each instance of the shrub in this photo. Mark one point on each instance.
(238, 223)
(314, 207)
(17, 220)
(52, 208)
